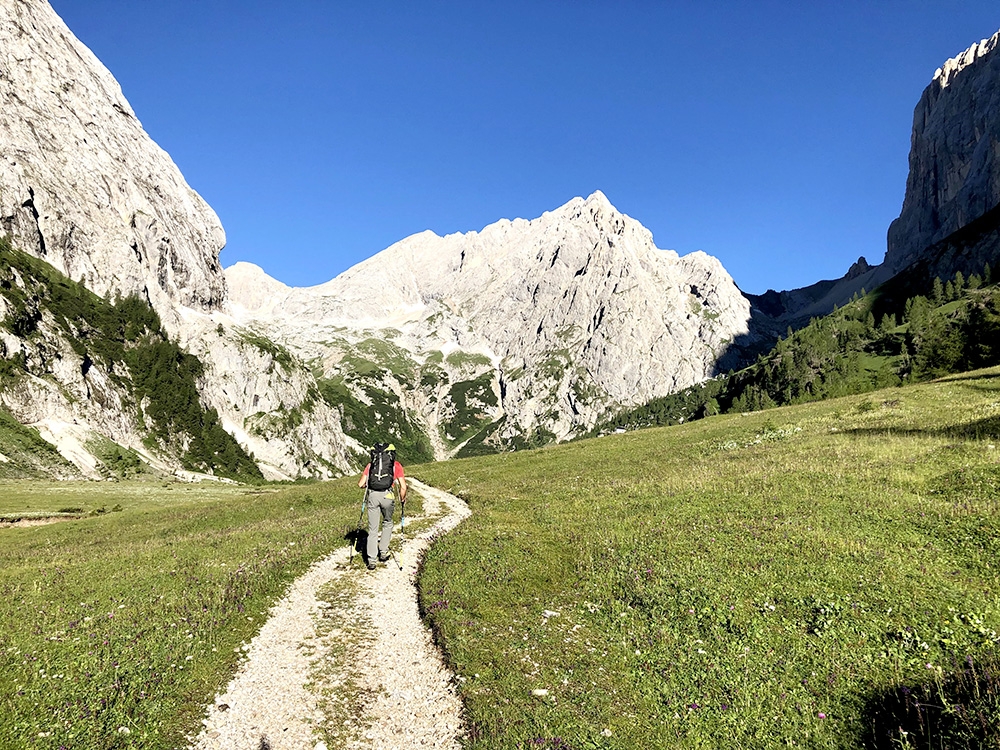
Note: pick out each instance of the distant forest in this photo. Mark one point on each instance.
(955, 327)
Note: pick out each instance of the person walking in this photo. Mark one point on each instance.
(380, 475)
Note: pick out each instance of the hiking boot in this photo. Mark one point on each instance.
(371, 565)
(383, 558)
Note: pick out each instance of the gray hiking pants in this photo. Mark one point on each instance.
(379, 507)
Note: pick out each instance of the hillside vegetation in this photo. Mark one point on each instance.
(25, 454)
(126, 341)
(823, 575)
(874, 341)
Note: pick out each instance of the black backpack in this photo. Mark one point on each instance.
(382, 470)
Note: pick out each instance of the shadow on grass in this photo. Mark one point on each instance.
(992, 375)
(980, 429)
(957, 709)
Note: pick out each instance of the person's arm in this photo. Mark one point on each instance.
(364, 476)
(402, 490)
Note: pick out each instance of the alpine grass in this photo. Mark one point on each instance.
(823, 575)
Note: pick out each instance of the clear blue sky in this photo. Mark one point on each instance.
(773, 135)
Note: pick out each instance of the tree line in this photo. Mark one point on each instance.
(955, 327)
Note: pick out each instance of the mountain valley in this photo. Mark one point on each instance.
(524, 333)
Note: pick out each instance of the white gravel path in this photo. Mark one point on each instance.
(287, 693)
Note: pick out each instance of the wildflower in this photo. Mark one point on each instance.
(822, 715)
(540, 692)
(124, 730)
(606, 732)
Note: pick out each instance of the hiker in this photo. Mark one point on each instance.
(379, 480)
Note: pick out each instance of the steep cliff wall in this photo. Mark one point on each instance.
(954, 173)
(85, 189)
(82, 185)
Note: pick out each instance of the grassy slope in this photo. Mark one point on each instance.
(846, 353)
(132, 618)
(27, 454)
(741, 581)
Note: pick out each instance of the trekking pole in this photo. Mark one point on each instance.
(354, 542)
(402, 526)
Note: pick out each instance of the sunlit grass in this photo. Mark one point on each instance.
(743, 581)
(792, 577)
(119, 627)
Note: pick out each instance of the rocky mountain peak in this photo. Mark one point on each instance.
(944, 75)
(954, 175)
(577, 311)
(82, 185)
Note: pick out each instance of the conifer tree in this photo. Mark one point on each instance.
(937, 294)
(887, 323)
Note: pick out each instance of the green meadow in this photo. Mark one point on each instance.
(118, 627)
(821, 575)
(824, 575)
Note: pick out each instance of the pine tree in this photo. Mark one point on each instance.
(937, 295)
(949, 292)
(959, 283)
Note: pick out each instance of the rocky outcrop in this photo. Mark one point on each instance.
(577, 312)
(954, 173)
(82, 185)
(267, 399)
(949, 219)
(84, 188)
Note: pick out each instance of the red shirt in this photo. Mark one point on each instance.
(397, 471)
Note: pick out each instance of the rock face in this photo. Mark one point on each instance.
(84, 188)
(82, 185)
(950, 219)
(954, 173)
(573, 314)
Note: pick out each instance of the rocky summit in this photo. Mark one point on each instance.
(954, 176)
(553, 323)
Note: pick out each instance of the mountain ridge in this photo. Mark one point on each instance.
(558, 303)
(518, 334)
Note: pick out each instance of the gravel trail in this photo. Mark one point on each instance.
(320, 670)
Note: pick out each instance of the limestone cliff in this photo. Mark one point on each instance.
(85, 189)
(575, 313)
(954, 173)
(83, 186)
